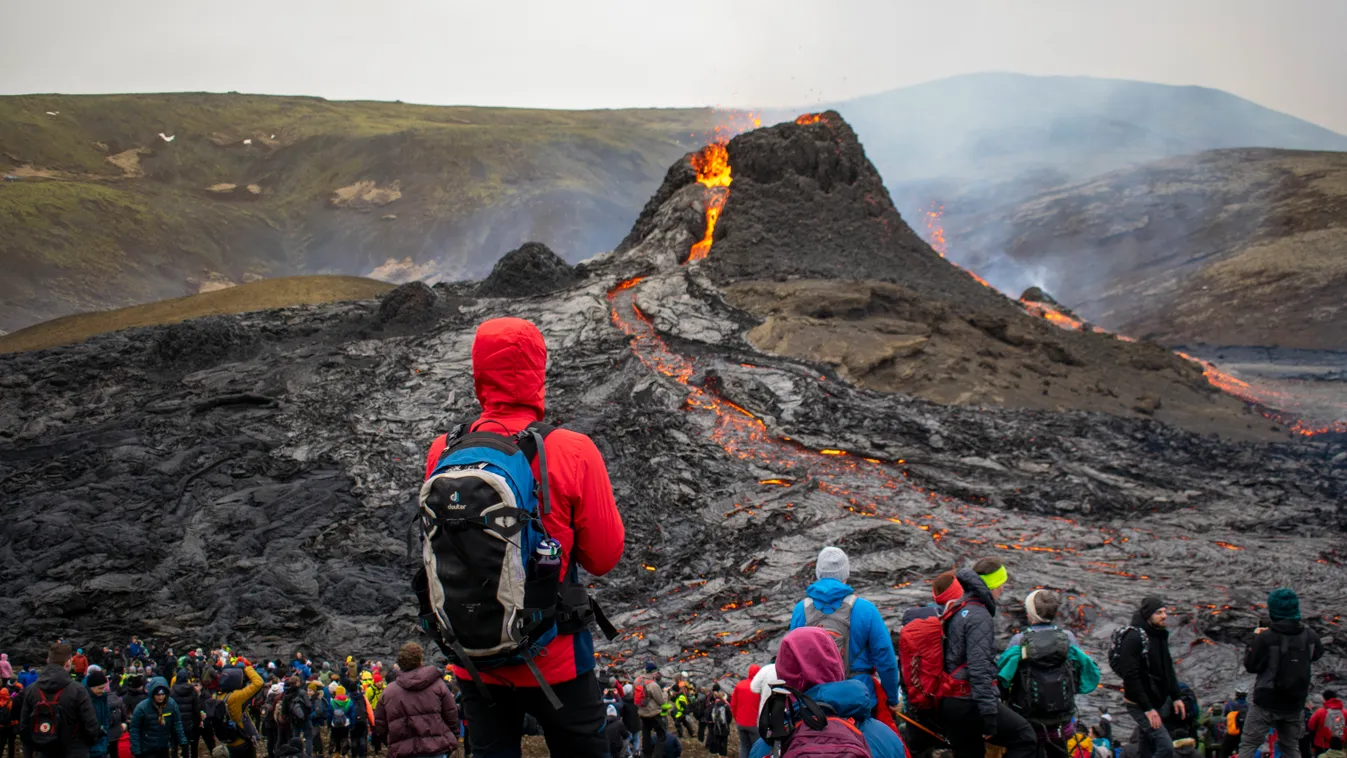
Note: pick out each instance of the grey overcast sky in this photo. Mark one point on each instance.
(1290, 55)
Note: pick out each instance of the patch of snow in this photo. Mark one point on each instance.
(166, 137)
(53, 113)
(247, 142)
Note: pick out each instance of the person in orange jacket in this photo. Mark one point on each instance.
(509, 362)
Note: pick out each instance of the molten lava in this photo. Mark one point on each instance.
(809, 118)
(713, 172)
(935, 232)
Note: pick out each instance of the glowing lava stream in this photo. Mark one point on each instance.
(713, 172)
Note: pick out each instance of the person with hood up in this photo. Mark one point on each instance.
(809, 661)
(1328, 721)
(831, 602)
(1280, 656)
(187, 697)
(54, 686)
(27, 678)
(110, 710)
(977, 716)
(1035, 659)
(156, 725)
(619, 737)
(509, 364)
(744, 704)
(6, 669)
(417, 715)
(1150, 685)
(9, 722)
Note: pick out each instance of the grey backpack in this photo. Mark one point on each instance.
(837, 623)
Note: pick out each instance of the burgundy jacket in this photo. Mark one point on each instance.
(417, 715)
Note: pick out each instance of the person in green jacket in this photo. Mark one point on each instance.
(680, 710)
(1044, 669)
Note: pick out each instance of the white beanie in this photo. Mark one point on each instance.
(627, 689)
(612, 711)
(832, 564)
(1031, 610)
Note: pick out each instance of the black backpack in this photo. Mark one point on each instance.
(1115, 648)
(1044, 689)
(219, 722)
(1293, 676)
(50, 734)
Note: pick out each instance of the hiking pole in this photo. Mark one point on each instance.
(904, 717)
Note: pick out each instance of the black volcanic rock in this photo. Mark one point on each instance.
(410, 304)
(532, 269)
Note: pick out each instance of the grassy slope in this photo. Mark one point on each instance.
(475, 182)
(254, 296)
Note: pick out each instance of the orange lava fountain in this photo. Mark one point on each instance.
(713, 172)
(935, 230)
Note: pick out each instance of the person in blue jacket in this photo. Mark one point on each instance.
(871, 648)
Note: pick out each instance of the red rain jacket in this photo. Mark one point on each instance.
(509, 364)
(744, 701)
(1318, 725)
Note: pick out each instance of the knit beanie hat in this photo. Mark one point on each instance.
(832, 564)
(1283, 605)
(95, 679)
(612, 712)
(627, 689)
(650, 666)
(1149, 605)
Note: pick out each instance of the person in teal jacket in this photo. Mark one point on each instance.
(156, 725)
(1050, 717)
(871, 647)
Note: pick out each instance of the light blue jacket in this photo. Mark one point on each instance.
(871, 646)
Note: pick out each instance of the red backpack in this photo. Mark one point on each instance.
(638, 692)
(921, 656)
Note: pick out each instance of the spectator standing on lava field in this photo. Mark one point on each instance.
(1150, 684)
(417, 715)
(1280, 656)
(1328, 721)
(55, 698)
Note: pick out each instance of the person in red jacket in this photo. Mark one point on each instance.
(744, 705)
(1323, 721)
(80, 663)
(509, 362)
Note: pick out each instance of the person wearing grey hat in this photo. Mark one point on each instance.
(863, 638)
(1280, 656)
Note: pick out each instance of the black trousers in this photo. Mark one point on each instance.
(963, 728)
(7, 736)
(244, 749)
(359, 739)
(652, 745)
(577, 730)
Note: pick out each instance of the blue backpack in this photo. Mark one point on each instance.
(490, 589)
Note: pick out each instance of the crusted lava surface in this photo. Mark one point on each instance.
(260, 492)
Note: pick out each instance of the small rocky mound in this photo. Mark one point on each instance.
(202, 342)
(410, 304)
(533, 269)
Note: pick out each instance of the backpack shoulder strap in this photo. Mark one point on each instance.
(532, 442)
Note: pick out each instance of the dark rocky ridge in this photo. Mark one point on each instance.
(261, 494)
(531, 269)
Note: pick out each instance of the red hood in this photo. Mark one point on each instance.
(753, 671)
(808, 656)
(509, 368)
(1334, 704)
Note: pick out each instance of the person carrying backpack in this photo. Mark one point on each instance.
(343, 711)
(156, 725)
(650, 700)
(1280, 656)
(57, 718)
(856, 625)
(230, 724)
(631, 715)
(1044, 669)
(972, 713)
(1232, 723)
(567, 510)
(718, 728)
(1328, 721)
(1139, 654)
(619, 745)
(816, 710)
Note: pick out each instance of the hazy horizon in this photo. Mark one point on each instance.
(613, 54)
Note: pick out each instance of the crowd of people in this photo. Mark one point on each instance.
(514, 621)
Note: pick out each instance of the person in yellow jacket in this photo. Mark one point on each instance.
(235, 702)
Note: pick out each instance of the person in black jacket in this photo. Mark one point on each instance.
(1280, 655)
(1150, 685)
(187, 695)
(73, 703)
(973, 719)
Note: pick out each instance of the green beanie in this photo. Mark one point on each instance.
(1283, 604)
